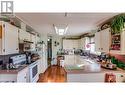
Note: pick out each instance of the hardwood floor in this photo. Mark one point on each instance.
(53, 74)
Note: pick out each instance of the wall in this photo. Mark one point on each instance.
(44, 38)
(55, 49)
(5, 58)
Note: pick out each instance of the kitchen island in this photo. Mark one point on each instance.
(91, 72)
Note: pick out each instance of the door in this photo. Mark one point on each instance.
(49, 50)
(11, 43)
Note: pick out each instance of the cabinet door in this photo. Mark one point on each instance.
(64, 44)
(67, 44)
(11, 43)
(69, 60)
(105, 40)
(23, 76)
(76, 59)
(21, 35)
(27, 37)
(97, 41)
(37, 39)
(75, 44)
(83, 43)
(40, 66)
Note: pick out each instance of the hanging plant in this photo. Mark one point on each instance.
(117, 24)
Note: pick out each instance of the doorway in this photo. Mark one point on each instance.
(49, 50)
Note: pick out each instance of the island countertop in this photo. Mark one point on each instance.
(89, 68)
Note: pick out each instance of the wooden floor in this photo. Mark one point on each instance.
(53, 74)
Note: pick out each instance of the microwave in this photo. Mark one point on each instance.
(24, 47)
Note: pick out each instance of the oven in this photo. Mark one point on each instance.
(34, 76)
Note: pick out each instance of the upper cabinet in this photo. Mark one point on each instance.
(82, 43)
(71, 44)
(103, 40)
(76, 44)
(23, 35)
(9, 39)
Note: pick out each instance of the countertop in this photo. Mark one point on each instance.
(89, 68)
(15, 71)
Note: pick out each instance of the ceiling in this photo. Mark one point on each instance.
(78, 23)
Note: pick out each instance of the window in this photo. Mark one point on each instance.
(90, 44)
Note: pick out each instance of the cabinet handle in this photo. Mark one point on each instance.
(3, 50)
(25, 77)
(101, 48)
(17, 49)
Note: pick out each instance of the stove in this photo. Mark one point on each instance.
(17, 61)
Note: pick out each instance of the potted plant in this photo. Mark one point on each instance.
(117, 24)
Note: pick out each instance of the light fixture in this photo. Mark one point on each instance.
(61, 29)
(48, 39)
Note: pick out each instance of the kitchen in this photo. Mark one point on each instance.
(83, 44)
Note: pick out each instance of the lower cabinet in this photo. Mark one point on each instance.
(69, 60)
(42, 66)
(93, 77)
(23, 75)
(39, 66)
(72, 59)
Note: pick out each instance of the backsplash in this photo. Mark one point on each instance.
(5, 58)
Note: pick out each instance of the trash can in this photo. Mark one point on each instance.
(62, 63)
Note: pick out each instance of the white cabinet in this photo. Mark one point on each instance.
(37, 39)
(71, 44)
(97, 41)
(23, 75)
(33, 39)
(39, 66)
(69, 60)
(9, 41)
(76, 44)
(82, 43)
(23, 35)
(27, 36)
(103, 40)
(42, 66)
(67, 44)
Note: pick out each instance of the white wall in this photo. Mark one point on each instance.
(44, 38)
(55, 49)
(56, 38)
